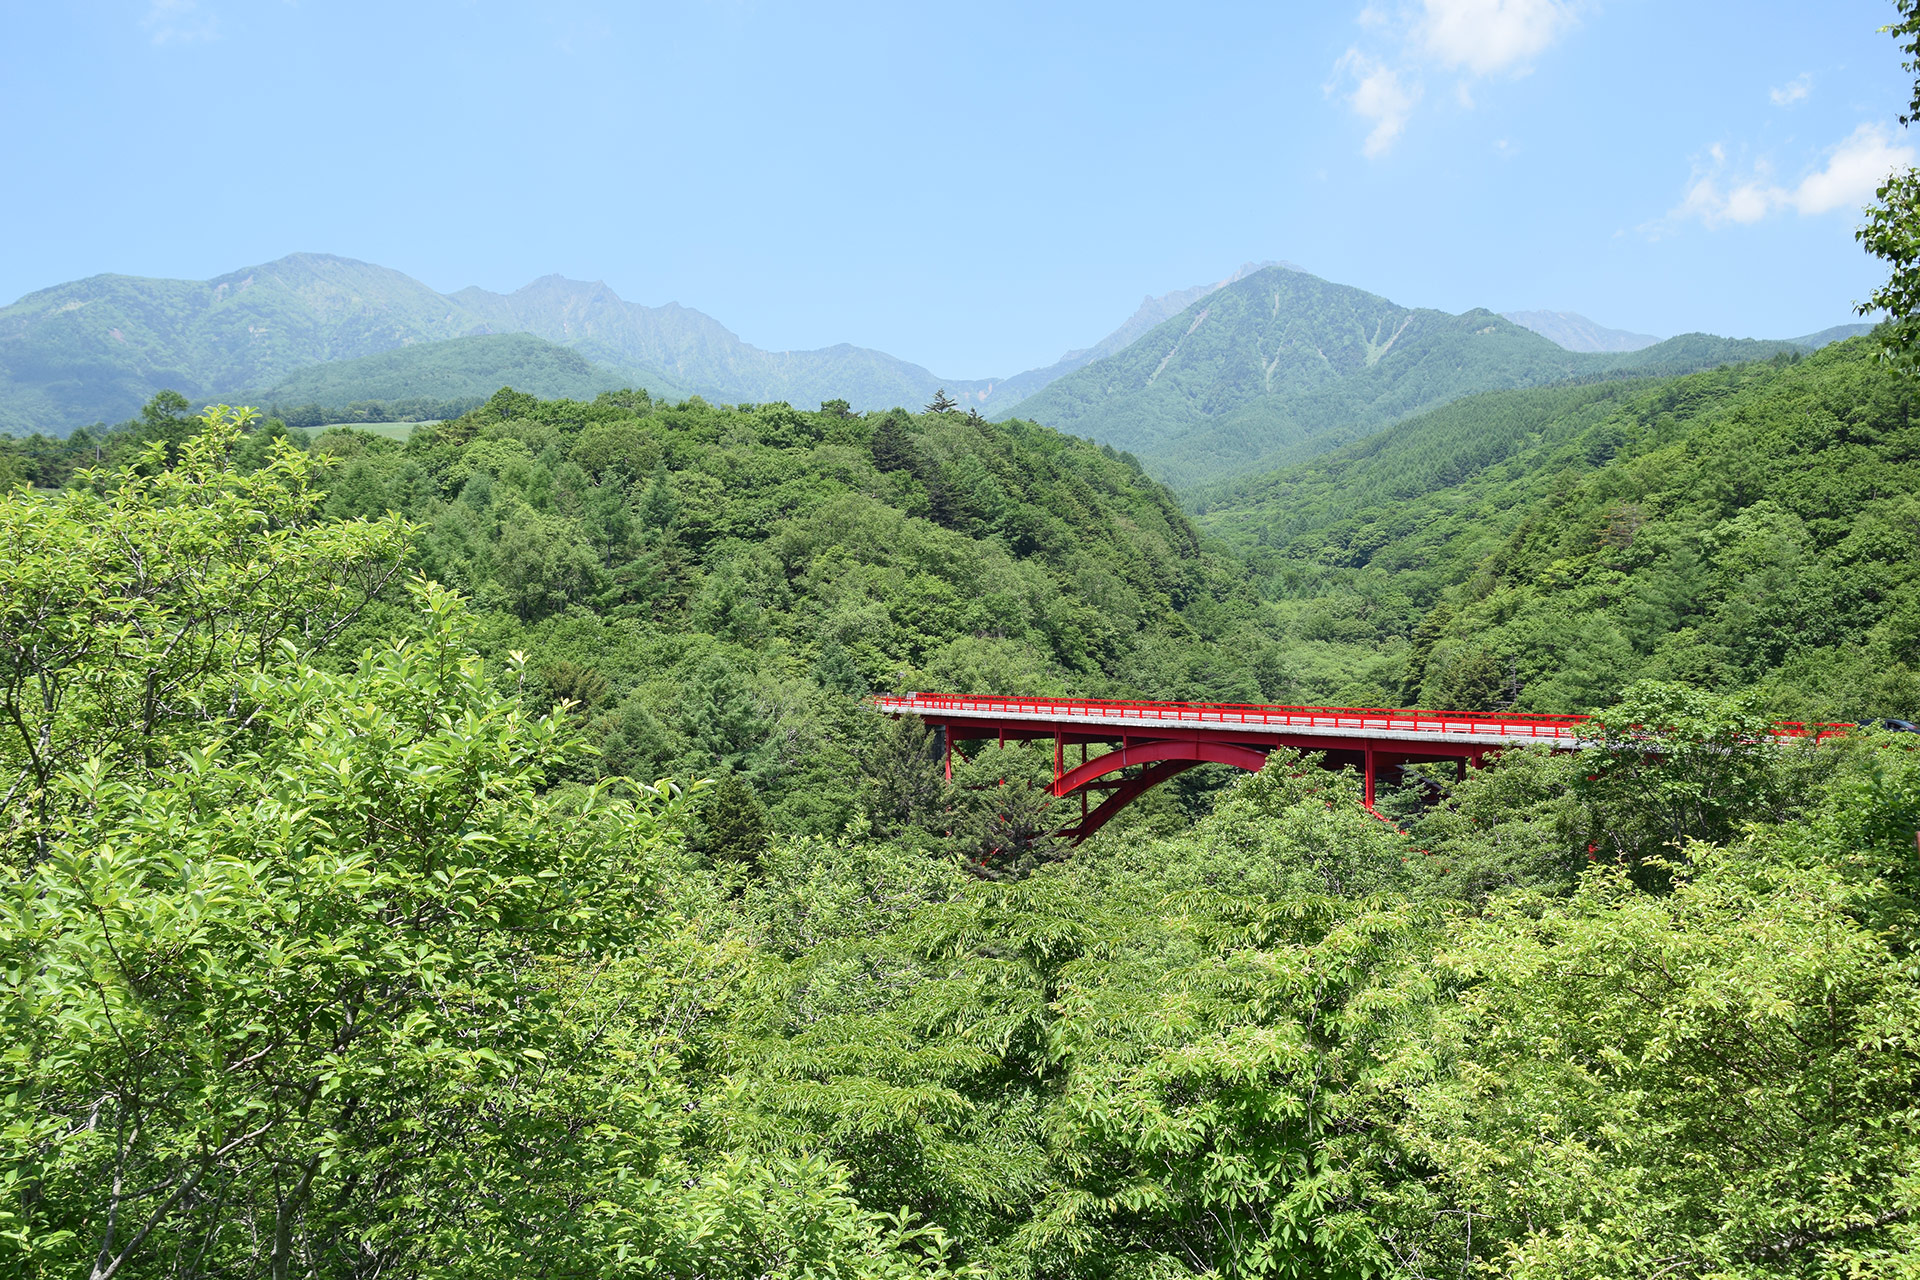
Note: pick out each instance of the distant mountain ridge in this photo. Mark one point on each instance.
(96, 349)
(1574, 332)
(1269, 365)
(1838, 333)
(1282, 365)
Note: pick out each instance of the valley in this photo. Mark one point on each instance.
(621, 756)
(1303, 786)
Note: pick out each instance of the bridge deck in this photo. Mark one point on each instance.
(1461, 728)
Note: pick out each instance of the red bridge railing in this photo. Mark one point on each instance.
(1363, 719)
(1242, 713)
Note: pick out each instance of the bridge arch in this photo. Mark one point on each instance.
(1195, 752)
(1167, 759)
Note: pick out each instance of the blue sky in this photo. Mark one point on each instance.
(973, 187)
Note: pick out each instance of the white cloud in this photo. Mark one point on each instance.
(1853, 170)
(1485, 36)
(1479, 37)
(179, 22)
(1794, 90)
(1378, 94)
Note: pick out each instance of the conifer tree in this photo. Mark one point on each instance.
(889, 447)
(658, 505)
(733, 821)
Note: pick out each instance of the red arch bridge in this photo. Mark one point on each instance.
(1167, 738)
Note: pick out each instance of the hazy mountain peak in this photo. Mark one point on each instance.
(1838, 333)
(1153, 311)
(554, 282)
(1575, 332)
(1006, 392)
(301, 268)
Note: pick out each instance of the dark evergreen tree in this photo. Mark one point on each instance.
(836, 669)
(167, 419)
(659, 505)
(732, 821)
(607, 520)
(1471, 679)
(890, 447)
(1425, 636)
(904, 790)
(720, 718)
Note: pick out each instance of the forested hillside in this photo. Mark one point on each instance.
(1750, 527)
(1282, 365)
(714, 585)
(464, 845)
(459, 369)
(93, 350)
(349, 934)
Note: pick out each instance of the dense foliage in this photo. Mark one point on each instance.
(1749, 527)
(335, 945)
(304, 972)
(339, 938)
(714, 586)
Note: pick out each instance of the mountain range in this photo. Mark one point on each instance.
(1266, 366)
(96, 349)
